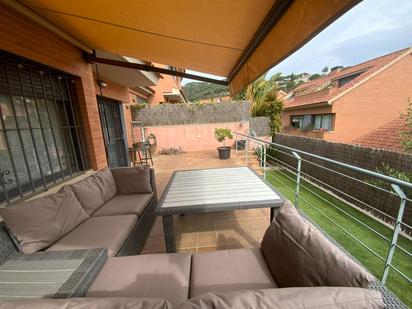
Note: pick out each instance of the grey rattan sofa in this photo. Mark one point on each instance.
(218, 278)
(118, 222)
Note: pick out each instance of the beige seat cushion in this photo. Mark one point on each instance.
(298, 254)
(227, 270)
(38, 223)
(132, 180)
(95, 190)
(87, 303)
(125, 204)
(289, 298)
(152, 276)
(98, 232)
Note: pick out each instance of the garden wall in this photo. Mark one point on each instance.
(368, 158)
(191, 126)
(177, 114)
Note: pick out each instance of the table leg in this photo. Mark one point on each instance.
(272, 213)
(169, 233)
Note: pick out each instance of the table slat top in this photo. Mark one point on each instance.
(220, 186)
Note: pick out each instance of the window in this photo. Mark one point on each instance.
(40, 136)
(322, 122)
(344, 80)
(297, 121)
(312, 122)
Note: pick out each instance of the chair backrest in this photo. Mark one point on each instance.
(8, 248)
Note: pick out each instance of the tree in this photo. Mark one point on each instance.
(314, 76)
(325, 70)
(263, 96)
(276, 77)
(273, 109)
(406, 136)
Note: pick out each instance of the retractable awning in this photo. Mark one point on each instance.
(239, 39)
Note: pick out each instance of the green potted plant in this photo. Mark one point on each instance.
(222, 134)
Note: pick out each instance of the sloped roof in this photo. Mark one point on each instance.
(321, 90)
(386, 136)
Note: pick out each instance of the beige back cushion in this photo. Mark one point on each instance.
(132, 180)
(88, 303)
(288, 298)
(299, 255)
(95, 190)
(39, 223)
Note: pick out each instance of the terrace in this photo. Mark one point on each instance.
(63, 136)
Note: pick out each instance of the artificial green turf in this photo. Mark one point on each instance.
(397, 284)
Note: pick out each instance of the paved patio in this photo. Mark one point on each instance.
(205, 232)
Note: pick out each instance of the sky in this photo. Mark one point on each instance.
(371, 29)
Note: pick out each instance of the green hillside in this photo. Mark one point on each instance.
(195, 91)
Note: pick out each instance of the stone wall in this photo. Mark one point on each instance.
(368, 158)
(182, 114)
(260, 125)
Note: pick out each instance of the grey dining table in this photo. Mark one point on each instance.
(214, 190)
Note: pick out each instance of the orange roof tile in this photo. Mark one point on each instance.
(386, 136)
(321, 91)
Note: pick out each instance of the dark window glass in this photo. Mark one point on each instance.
(40, 139)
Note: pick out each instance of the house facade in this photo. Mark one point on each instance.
(350, 103)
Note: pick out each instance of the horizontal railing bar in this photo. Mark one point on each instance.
(349, 177)
(290, 166)
(341, 228)
(357, 220)
(287, 187)
(400, 273)
(348, 195)
(354, 198)
(344, 193)
(352, 178)
(399, 182)
(349, 215)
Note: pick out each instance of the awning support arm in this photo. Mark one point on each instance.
(270, 20)
(151, 68)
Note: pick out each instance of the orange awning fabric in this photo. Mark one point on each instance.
(208, 36)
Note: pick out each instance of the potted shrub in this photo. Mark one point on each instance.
(222, 135)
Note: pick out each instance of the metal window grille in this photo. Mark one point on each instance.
(40, 133)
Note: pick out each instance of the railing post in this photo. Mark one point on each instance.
(246, 150)
(236, 145)
(396, 231)
(264, 161)
(297, 178)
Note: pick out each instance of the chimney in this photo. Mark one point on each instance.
(336, 69)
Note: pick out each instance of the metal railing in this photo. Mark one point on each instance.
(263, 151)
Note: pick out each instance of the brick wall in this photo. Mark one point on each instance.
(176, 114)
(367, 158)
(21, 36)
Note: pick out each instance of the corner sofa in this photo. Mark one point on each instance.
(112, 209)
(296, 266)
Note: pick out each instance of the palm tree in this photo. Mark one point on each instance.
(255, 93)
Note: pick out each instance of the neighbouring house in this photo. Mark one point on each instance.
(353, 104)
(168, 89)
